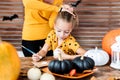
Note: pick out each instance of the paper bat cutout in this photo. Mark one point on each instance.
(76, 3)
(10, 17)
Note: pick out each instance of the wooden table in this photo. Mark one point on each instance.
(101, 73)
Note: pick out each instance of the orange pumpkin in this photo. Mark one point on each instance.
(9, 62)
(109, 39)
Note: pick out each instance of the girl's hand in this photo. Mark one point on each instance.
(36, 57)
(57, 52)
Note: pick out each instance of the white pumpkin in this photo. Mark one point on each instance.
(98, 55)
(34, 73)
(56, 52)
(47, 76)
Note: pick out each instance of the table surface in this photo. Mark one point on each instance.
(101, 72)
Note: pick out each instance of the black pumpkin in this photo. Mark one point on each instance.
(83, 63)
(60, 67)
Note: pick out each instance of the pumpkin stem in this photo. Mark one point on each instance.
(35, 66)
(96, 48)
(82, 57)
(60, 57)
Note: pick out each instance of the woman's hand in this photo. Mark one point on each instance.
(48, 1)
(67, 7)
(36, 57)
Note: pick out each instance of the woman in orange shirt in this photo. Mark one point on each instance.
(39, 17)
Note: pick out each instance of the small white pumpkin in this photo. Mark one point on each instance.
(34, 73)
(98, 55)
(56, 52)
(47, 76)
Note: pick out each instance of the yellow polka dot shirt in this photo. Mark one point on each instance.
(69, 45)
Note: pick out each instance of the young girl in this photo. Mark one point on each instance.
(60, 38)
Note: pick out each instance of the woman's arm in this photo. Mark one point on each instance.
(40, 5)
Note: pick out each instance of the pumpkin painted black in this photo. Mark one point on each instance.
(83, 63)
(60, 66)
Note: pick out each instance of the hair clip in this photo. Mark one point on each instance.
(71, 13)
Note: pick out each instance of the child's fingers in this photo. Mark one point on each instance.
(35, 57)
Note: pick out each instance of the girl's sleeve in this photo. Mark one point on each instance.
(74, 45)
(39, 5)
(49, 38)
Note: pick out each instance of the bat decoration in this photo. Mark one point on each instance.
(10, 17)
(76, 3)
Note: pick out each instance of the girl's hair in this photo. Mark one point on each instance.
(68, 17)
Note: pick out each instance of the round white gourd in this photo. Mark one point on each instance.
(47, 76)
(98, 55)
(56, 52)
(34, 73)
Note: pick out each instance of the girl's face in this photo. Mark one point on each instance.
(62, 29)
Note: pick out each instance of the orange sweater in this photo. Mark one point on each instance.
(39, 18)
